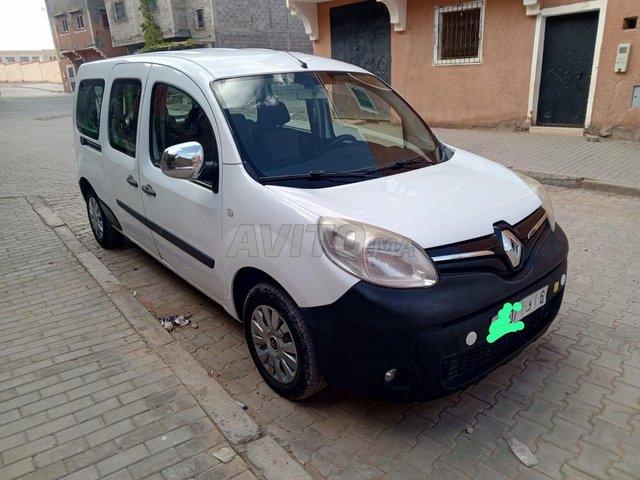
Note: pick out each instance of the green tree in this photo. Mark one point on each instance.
(152, 33)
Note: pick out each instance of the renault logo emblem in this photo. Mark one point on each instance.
(512, 247)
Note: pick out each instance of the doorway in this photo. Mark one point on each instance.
(361, 35)
(565, 74)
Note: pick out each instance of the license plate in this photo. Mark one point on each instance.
(530, 304)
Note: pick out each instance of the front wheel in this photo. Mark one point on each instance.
(280, 343)
(103, 231)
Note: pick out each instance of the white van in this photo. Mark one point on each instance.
(311, 201)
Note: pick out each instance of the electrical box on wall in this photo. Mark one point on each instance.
(635, 99)
(622, 58)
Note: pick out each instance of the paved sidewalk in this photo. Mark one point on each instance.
(611, 162)
(45, 87)
(83, 394)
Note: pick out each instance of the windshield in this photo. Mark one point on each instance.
(316, 129)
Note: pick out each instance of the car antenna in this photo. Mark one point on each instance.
(302, 63)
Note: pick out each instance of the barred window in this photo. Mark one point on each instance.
(458, 33)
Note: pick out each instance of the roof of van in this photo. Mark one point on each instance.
(230, 62)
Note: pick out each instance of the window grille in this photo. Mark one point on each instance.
(458, 33)
(63, 25)
(79, 23)
(199, 18)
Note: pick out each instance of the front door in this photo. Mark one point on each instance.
(184, 216)
(569, 45)
(361, 35)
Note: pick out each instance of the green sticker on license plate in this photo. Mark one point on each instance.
(503, 324)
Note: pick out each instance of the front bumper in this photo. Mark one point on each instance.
(423, 332)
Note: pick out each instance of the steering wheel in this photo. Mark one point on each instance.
(333, 143)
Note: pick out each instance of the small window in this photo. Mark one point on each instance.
(119, 10)
(104, 18)
(152, 6)
(24, 59)
(35, 59)
(178, 118)
(63, 25)
(458, 33)
(11, 59)
(199, 18)
(630, 23)
(89, 106)
(79, 22)
(124, 103)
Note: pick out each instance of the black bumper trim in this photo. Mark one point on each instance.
(420, 332)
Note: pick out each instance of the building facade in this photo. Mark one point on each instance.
(507, 63)
(27, 56)
(81, 33)
(215, 23)
(30, 66)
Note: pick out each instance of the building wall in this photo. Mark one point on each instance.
(496, 92)
(258, 23)
(127, 31)
(493, 93)
(73, 40)
(43, 55)
(612, 112)
(31, 72)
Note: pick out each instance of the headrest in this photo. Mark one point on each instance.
(273, 115)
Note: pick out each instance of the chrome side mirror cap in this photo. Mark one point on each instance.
(184, 161)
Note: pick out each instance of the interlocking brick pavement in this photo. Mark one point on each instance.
(75, 377)
(572, 396)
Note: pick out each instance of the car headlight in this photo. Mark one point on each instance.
(544, 197)
(376, 255)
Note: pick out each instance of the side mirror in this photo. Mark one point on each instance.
(184, 161)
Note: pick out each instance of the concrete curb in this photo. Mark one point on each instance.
(580, 182)
(265, 455)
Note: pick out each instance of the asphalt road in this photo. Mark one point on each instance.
(572, 397)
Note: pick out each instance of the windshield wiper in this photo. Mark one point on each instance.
(313, 175)
(396, 165)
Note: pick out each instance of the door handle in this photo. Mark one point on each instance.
(148, 189)
(132, 181)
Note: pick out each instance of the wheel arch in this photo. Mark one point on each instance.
(85, 187)
(244, 280)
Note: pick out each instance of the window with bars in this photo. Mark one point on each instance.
(79, 22)
(199, 18)
(63, 24)
(458, 33)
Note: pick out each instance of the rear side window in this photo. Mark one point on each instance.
(124, 103)
(88, 107)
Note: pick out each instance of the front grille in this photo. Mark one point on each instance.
(461, 368)
(498, 262)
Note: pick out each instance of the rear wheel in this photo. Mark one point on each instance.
(280, 343)
(103, 231)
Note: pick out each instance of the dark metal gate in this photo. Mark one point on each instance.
(361, 35)
(569, 45)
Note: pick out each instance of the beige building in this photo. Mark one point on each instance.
(27, 56)
(508, 63)
(29, 66)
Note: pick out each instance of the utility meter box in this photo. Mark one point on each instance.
(622, 58)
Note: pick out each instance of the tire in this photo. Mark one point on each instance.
(274, 346)
(104, 233)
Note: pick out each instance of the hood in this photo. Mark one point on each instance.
(450, 202)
